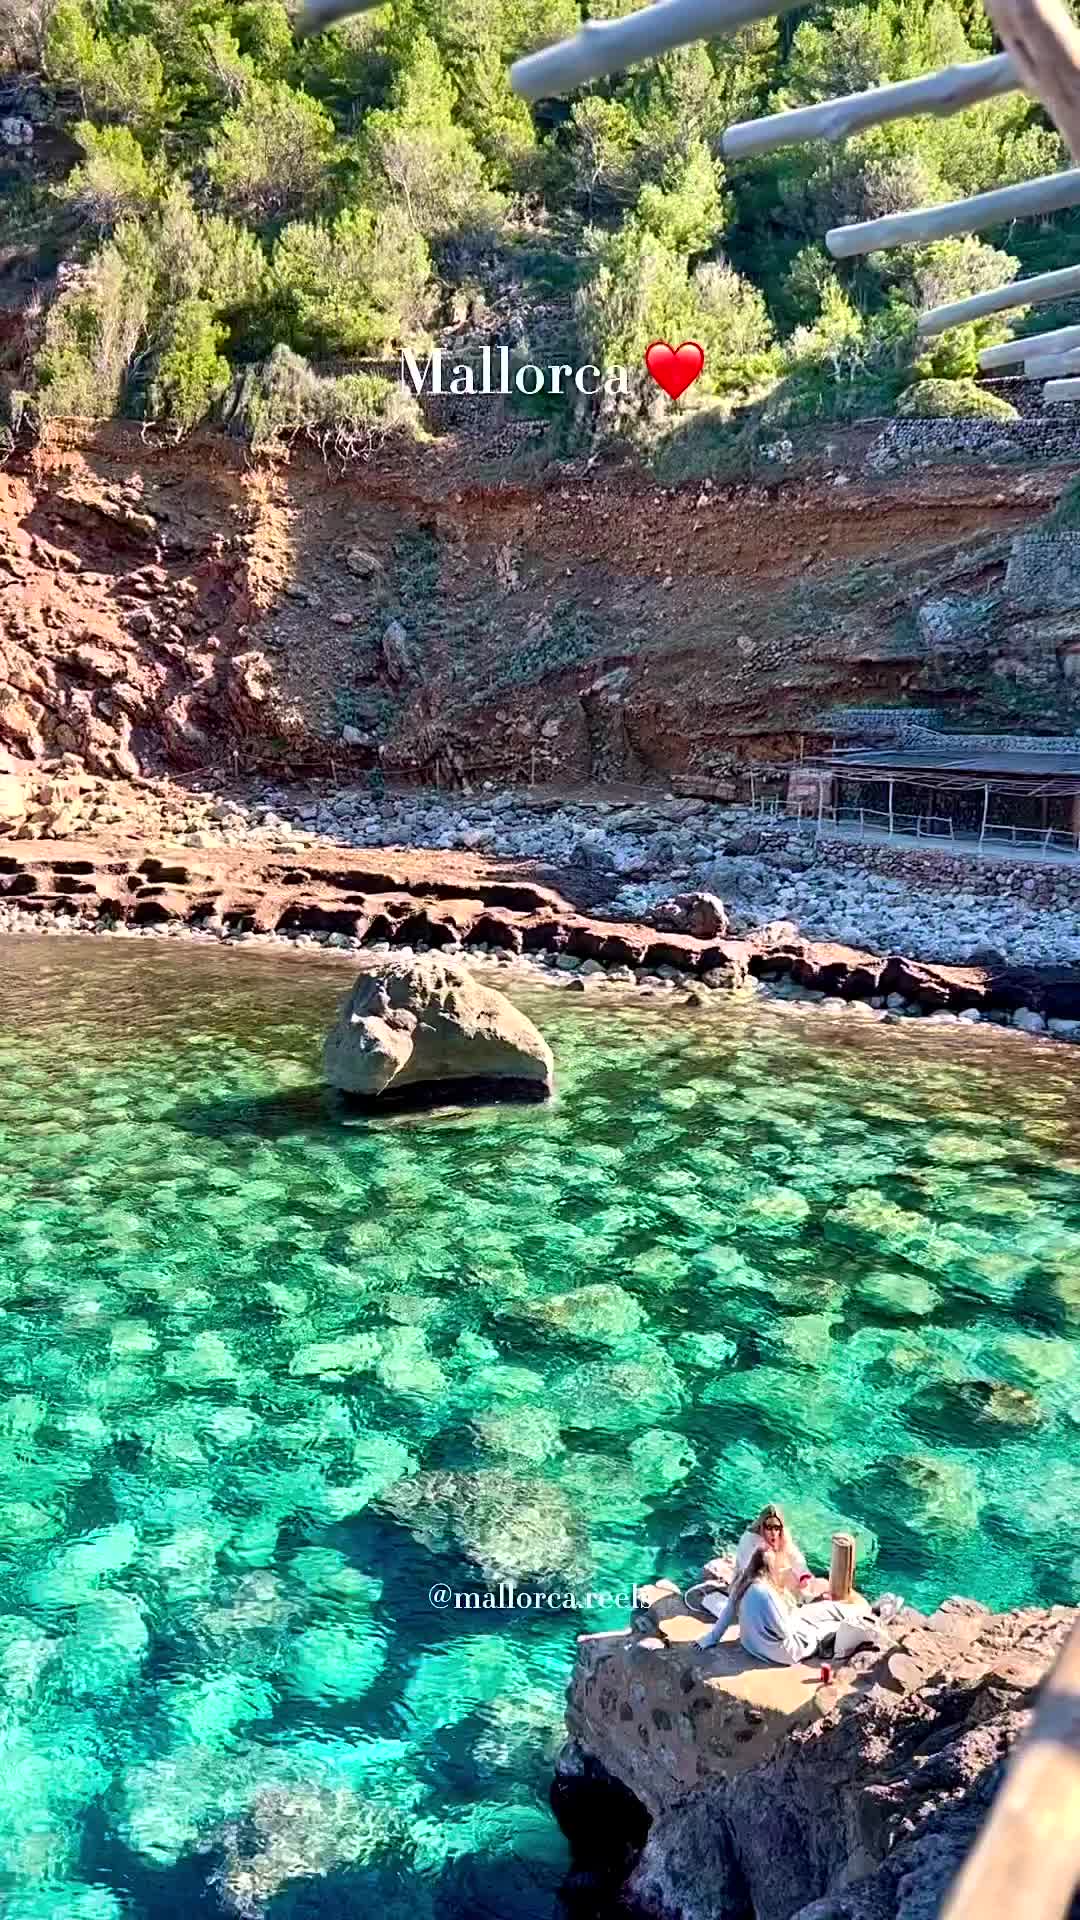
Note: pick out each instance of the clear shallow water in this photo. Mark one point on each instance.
(267, 1376)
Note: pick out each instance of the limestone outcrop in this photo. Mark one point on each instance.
(767, 1796)
(426, 1024)
(12, 801)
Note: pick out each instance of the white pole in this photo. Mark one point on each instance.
(1043, 366)
(1030, 197)
(1059, 285)
(986, 809)
(947, 91)
(606, 46)
(1056, 340)
(322, 13)
(890, 807)
(1057, 391)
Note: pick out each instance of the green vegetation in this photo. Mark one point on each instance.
(241, 204)
(1064, 516)
(952, 400)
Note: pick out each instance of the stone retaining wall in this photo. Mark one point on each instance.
(914, 727)
(1049, 886)
(917, 443)
(1043, 574)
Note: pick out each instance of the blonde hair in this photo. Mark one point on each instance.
(772, 1512)
(762, 1565)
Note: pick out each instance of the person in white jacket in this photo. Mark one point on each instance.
(773, 1627)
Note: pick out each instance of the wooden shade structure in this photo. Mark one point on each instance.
(937, 93)
(320, 14)
(1044, 366)
(1063, 284)
(606, 46)
(1056, 340)
(1030, 197)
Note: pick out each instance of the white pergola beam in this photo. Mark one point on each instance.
(606, 46)
(1046, 366)
(1022, 202)
(1056, 391)
(318, 14)
(947, 91)
(1062, 284)
(1055, 340)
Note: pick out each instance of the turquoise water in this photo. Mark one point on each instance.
(268, 1374)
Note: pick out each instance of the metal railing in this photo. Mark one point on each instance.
(917, 826)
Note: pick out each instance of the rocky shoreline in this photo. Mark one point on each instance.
(691, 1789)
(496, 912)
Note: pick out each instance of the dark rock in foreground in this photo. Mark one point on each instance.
(863, 1812)
(421, 1028)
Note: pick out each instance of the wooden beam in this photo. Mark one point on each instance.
(606, 46)
(945, 92)
(1029, 198)
(1062, 284)
(1025, 1863)
(1056, 392)
(1043, 366)
(1056, 340)
(1045, 46)
(318, 14)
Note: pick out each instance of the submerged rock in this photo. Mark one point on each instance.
(426, 1024)
(299, 1832)
(510, 1525)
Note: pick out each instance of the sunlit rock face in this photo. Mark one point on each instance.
(426, 1024)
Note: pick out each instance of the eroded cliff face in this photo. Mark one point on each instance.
(177, 606)
(867, 1797)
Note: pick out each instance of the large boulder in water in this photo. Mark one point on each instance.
(427, 1024)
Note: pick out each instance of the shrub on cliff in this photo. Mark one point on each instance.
(190, 373)
(116, 76)
(412, 154)
(91, 336)
(284, 399)
(642, 287)
(843, 367)
(952, 400)
(272, 154)
(360, 284)
(113, 181)
(140, 326)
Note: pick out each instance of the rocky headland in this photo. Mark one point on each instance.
(703, 1786)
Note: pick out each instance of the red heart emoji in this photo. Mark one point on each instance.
(674, 368)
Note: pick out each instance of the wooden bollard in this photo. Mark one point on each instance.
(842, 1567)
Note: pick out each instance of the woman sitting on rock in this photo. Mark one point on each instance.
(770, 1530)
(773, 1627)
